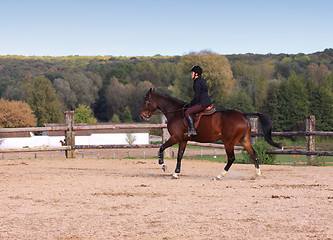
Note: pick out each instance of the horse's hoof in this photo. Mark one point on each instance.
(175, 176)
(163, 167)
(258, 173)
(256, 177)
(217, 178)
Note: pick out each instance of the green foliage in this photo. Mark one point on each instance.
(281, 85)
(260, 147)
(240, 101)
(272, 102)
(115, 119)
(322, 108)
(43, 100)
(84, 114)
(130, 139)
(85, 87)
(287, 66)
(127, 117)
(293, 103)
(216, 72)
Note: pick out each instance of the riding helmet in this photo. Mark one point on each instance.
(196, 69)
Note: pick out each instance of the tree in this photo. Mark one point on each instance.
(293, 103)
(117, 96)
(216, 71)
(322, 108)
(271, 105)
(43, 100)
(16, 114)
(240, 101)
(317, 72)
(287, 66)
(66, 96)
(84, 86)
(127, 117)
(260, 92)
(253, 80)
(168, 73)
(84, 114)
(327, 82)
(115, 119)
(146, 71)
(135, 99)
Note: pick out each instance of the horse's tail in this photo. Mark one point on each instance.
(266, 125)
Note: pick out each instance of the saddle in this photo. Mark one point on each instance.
(196, 117)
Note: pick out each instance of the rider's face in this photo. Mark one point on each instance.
(194, 75)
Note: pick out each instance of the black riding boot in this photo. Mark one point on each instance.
(191, 131)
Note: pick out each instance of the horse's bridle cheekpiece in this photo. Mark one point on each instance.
(149, 109)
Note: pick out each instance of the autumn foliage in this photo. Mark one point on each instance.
(16, 114)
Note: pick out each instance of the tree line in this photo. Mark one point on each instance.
(111, 89)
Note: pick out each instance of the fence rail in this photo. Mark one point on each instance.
(44, 149)
(33, 129)
(297, 152)
(115, 146)
(69, 128)
(302, 133)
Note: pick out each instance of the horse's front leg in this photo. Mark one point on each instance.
(181, 150)
(171, 141)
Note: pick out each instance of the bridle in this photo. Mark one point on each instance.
(151, 111)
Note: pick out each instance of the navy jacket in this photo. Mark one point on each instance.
(200, 93)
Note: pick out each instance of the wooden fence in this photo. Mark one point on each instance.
(309, 134)
(69, 128)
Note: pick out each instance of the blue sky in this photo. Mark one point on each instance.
(150, 27)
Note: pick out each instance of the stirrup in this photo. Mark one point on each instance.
(191, 132)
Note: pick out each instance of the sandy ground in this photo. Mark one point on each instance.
(135, 199)
(111, 153)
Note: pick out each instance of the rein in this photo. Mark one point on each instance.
(177, 110)
(150, 112)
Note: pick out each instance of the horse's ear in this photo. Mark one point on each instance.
(151, 90)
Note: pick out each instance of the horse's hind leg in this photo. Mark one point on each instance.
(181, 150)
(247, 145)
(231, 158)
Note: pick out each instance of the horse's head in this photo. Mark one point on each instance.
(149, 106)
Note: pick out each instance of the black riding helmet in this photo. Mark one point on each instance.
(196, 69)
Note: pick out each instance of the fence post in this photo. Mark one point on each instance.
(69, 134)
(310, 140)
(254, 128)
(165, 137)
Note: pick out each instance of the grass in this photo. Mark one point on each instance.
(280, 159)
(321, 142)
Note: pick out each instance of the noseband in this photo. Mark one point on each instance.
(149, 109)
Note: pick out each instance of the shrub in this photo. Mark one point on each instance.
(260, 147)
(16, 114)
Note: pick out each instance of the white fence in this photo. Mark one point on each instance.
(93, 139)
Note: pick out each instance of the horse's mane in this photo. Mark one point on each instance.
(173, 99)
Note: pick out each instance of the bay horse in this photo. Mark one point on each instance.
(230, 126)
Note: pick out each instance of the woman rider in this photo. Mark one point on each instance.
(200, 101)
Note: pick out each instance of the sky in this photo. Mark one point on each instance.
(165, 27)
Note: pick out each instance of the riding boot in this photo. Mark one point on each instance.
(191, 131)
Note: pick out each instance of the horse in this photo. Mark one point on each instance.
(229, 126)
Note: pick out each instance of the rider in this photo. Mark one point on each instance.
(201, 99)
